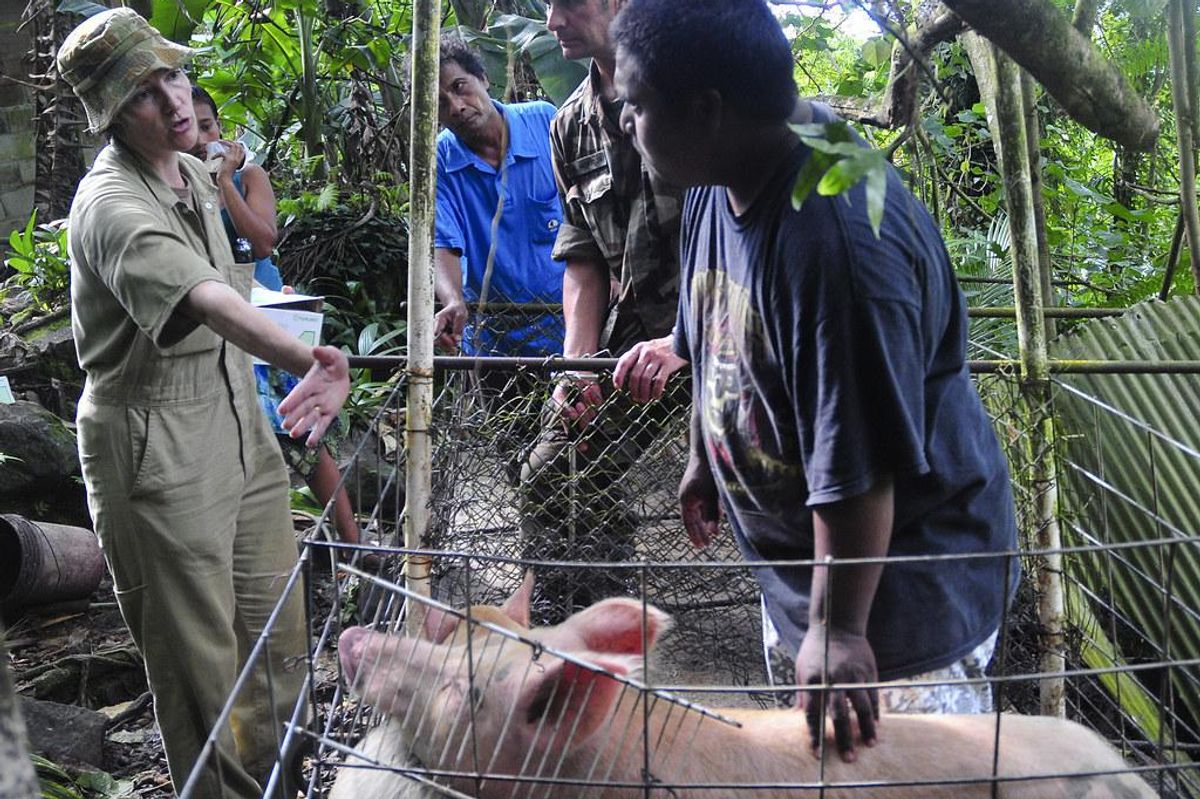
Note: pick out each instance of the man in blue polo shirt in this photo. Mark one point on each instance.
(498, 214)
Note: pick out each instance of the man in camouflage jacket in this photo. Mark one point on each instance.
(620, 241)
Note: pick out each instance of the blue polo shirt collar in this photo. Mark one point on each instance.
(520, 145)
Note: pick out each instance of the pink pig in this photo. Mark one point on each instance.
(532, 724)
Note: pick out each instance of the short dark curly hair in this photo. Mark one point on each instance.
(454, 48)
(203, 97)
(736, 47)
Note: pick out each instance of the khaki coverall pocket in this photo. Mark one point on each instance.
(140, 429)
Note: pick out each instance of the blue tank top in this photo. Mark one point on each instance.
(265, 270)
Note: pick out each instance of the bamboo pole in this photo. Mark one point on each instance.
(422, 174)
(1033, 138)
(1035, 379)
(1185, 132)
(1009, 312)
(1172, 259)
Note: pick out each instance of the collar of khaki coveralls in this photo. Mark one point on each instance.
(202, 192)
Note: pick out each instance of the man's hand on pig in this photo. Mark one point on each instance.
(850, 659)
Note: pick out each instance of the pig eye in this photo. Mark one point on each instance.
(476, 697)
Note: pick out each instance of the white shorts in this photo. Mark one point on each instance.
(950, 695)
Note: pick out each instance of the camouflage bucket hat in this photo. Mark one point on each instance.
(106, 57)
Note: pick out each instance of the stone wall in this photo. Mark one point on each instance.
(17, 165)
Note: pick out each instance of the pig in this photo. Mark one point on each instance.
(540, 726)
(387, 743)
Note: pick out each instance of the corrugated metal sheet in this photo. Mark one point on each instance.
(1137, 479)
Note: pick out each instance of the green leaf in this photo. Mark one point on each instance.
(876, 197)
(877, 51)
(327, 198)
(20, 244)
(842, 176)
(520, 31)
(836, 149)
(850, 86)
(176, 19)
(511, 33)
(1080, 190)
(380, 345)
(811, 171)
(832, 132)
(104, 785)
(1116, 209)
(19, 264)
(366, 338)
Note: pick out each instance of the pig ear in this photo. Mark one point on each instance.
(439, 625)
(516, 607)
(564, 704)
(615, 626)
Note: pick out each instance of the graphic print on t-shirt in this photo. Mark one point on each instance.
(746, 440)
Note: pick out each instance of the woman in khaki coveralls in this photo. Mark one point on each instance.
(186, 487)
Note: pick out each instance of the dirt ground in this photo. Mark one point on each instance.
(82, 654)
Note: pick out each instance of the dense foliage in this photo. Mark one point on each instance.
(1110, 213)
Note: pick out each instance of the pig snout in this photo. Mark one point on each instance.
(350, 651)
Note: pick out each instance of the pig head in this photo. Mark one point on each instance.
(470, 700)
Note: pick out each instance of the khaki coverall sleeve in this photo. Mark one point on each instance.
(148, 268)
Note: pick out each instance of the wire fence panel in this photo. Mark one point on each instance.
(512, 480)
(590, 516)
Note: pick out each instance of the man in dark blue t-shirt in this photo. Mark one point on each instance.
(833, 416)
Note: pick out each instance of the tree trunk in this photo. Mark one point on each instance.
(1040, 38)
(900, 99)
(1084, 17)
(60, 120)
(983, 65)
(1172, 259)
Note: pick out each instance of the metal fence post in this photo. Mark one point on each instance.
(1035, 381)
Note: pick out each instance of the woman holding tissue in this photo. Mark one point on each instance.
(187, 491)
(247, 199)
(248, 211)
